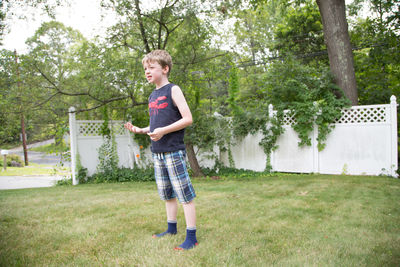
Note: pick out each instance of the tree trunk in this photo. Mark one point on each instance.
(24, 139)
(22, 111)
(337, 39)
(194, 164)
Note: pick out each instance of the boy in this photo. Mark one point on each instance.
(169, 116)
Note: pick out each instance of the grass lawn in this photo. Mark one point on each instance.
(35, 169)
(281, 220)
(51, 148)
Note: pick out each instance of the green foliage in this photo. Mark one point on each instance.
(65, 181)
(310, 96)
(11, 160)
(306, 90)
(122, 175)
(249, 121)
(9, 120)
(108, 157)
(271, 134)
(105, 130)
(377, 64)
(233, 92)
(300, 32)
(2, 18)
(81, 172)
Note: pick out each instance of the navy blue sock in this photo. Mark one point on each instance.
(190, 241)
(172, 230)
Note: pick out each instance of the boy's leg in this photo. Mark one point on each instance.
(190, 216)
(166, 193)
(183, 188)
(171, 207)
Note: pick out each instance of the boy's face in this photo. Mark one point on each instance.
(154, 72)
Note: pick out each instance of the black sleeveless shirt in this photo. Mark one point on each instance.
(163, 112)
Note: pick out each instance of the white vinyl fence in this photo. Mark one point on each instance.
(86, 139)
(363, 142)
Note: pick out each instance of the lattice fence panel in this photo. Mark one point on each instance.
(288, 119)
(363, 115)
(352, 116)
(93, 128)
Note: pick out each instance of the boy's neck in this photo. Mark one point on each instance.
(162, 83)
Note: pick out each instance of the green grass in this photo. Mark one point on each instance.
(34, 169)
(282, 220)
(51, 148)
(11, 145)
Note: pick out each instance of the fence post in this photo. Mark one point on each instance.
(73, 145)
(394, 144)
(314, 143)
(130, 152)
(271, 155)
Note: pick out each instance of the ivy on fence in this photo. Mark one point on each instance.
(306, 94)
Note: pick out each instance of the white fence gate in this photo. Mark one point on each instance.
(363, 142)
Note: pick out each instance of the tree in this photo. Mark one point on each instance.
(16, 99)
(2, 18)
(175, 26)
(378, 55)
(300, 33)
(337, 39)
(8, 9)
(10, 127)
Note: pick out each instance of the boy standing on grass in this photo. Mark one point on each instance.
(169, 116)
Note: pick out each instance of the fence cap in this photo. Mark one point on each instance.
(4, 152)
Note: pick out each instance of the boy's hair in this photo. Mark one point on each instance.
(162, 57)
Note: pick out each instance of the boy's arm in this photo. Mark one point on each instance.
(135, 129)
(179, 99)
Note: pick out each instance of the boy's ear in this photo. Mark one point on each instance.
(166, 68)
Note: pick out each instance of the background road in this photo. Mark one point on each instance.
(39, 157)
(33, 181)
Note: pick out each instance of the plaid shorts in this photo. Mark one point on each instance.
(172, 177)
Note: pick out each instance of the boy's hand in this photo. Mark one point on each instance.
(132, 128)
(157, 134)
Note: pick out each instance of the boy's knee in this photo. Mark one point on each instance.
(190, 202)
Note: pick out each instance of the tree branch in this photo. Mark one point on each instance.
(142, 30)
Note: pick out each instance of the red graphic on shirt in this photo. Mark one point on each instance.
(155, 106)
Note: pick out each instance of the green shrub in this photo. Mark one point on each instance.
(121, 175)
(82, 175)
(65, 181)
(10, 158)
